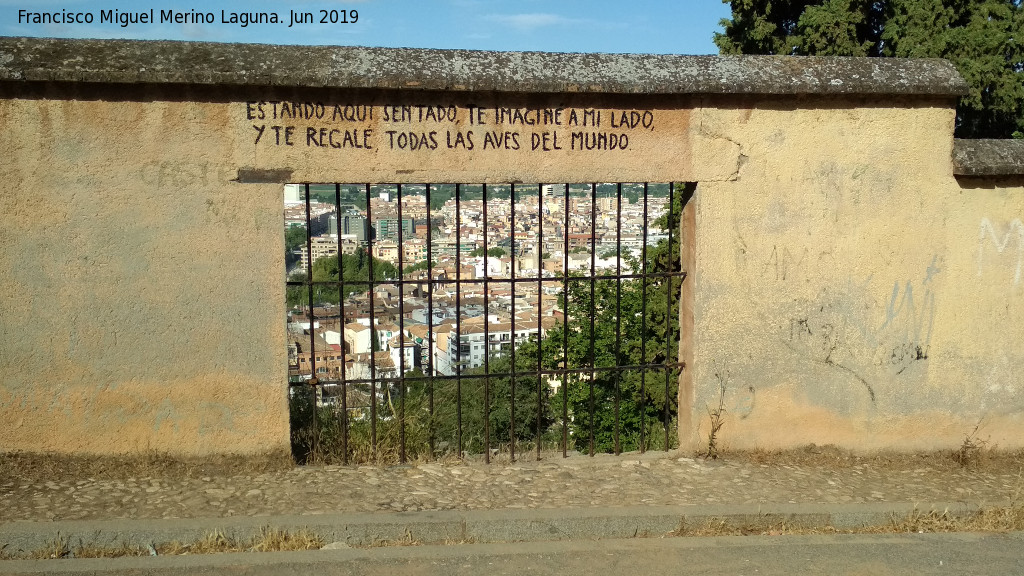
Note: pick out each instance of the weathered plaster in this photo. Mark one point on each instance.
(844, 286)
(849, 291)
(142, 288)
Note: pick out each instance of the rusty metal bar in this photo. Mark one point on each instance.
(565, 325)
(618, 311)
(593, 303)
(540, 303)
(312, 320)
(341, 326)
(643, 329)
(430, 328)
(458, 316)
(512, 320)
(487, 339)
(668, 308)
(373, 329)
(401, 331)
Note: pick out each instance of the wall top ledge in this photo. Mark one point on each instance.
(160, 62)
(988, 157)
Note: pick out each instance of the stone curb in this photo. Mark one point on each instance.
(474, 526)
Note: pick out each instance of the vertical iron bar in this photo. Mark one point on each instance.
(312, 332)
(593, 304)
(565, 325)
(401, 332)
(341, 322)
(430, 326)
(618, 312)
(512, 326)
(373, 331)
(487, 340)
(668, 302)
(540, 302)
(643, 329)
(458, 316)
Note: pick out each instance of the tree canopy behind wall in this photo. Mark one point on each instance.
(984, 39)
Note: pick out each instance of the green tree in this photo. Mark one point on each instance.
(493, 252)
(356, 273)
(982, 38)
(648, 333)
(294, 238)
(497, 391)
(421, 265)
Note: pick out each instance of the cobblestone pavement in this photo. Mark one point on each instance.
(578, 481)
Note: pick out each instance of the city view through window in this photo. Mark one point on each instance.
(426, 320)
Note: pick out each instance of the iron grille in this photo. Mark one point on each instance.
(425, 259)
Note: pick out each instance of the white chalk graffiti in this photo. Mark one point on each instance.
(987, 229)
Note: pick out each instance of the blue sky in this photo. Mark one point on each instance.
(652, 26)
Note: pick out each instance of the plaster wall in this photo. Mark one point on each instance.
(848, 290)
(840, 291)
(142, 247)
(141, 292)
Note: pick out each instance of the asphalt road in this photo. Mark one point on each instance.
(887, 555)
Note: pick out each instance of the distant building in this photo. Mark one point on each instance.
(319, 247)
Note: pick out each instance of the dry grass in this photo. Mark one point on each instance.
(57, 548)
(406, 540)
(213, 543)
(973, 450)
(988, 519)
(276, 540)
(268, 540)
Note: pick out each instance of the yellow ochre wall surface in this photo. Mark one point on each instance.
(844, 288)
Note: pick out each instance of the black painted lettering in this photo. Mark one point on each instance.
(461, 140)
(598, 141)
(259, 132)
(288, 130)
(311, 137)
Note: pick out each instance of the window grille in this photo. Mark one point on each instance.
(541, 274)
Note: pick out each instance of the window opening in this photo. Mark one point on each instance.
(476, 320)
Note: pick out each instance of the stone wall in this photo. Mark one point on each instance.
(839, 291)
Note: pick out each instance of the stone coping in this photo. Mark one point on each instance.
(206, 63)
(988, 157)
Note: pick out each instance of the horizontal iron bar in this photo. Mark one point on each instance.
(517, 374)
(533, 280)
